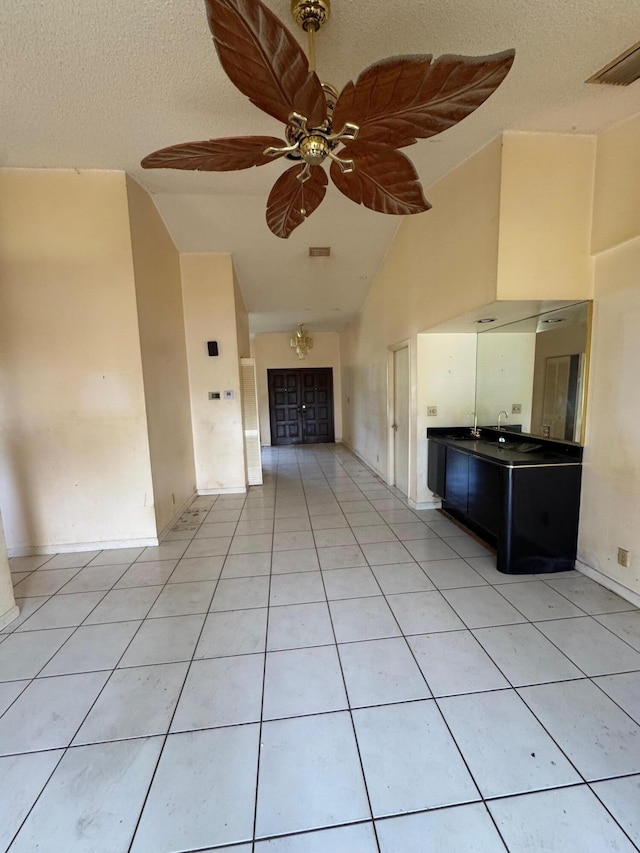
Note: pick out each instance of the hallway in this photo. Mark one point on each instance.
(316, 668)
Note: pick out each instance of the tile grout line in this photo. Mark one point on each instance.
(264, 681)
(528, 621)
(165, 737)
(335, 644)
(66, 749)
(515, 690)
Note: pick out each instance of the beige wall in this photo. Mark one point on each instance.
(546, 205)
(75, 468)
(210, 314)
(611, 476)
(242, 321)
(616, 215)
(156, 264)
(8, 608)
(569, 227)
(273, 351)
(442, 264)
(513, 222)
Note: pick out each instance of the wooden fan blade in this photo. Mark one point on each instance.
(215, 155)
(290, 197)
(404, 98)
(383, 179)
(263, 59)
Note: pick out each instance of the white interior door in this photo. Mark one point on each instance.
(556, 392)
(401, 419)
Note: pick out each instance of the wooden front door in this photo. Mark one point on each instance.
(301, 405)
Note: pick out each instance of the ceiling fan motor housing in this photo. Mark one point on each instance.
(310, 14)
(314, 149)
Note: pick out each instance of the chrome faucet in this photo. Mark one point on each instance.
(500, 415)
(475, 432)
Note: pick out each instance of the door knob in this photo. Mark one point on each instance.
(394, 427)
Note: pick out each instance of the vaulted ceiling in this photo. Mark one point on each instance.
(89, 84)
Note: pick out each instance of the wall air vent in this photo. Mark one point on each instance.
(319, 251)
(622, 71)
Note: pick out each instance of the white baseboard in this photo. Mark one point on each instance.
(8, 617)
(609, 583)
(239, 490)
(176, 516)
(72, 548)
(371, 467)
(434, 504)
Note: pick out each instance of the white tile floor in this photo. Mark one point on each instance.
(316, 669)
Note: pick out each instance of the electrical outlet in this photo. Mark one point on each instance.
(516, 409)
(432, 411)
(624, 558)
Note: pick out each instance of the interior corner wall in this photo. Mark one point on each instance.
(156, 264)
(272, 351)
(210, 315)
(75, 469)
(546, 206)
(447, 369)
(242, 320)
(442, 264)
(611, 470)
(616, 214)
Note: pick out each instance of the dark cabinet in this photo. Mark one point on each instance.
(485, 498)
(528, 512)
(437, 454)
(456, 484)
(544, 508)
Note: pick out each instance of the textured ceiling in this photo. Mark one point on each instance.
(89, 84)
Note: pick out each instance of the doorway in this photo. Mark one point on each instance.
(562, 401)
(301, 405)
(399, 402)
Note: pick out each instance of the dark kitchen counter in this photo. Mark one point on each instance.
(508, 448)
(519, 493)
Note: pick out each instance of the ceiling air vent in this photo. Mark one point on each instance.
(319, 251)
(622, 71)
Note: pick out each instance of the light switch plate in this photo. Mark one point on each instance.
(516, 409)
(229, 395)
(432, 411)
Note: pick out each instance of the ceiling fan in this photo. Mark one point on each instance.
(391, 105)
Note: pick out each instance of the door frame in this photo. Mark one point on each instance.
(391, 388)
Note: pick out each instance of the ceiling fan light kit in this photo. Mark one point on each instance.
(391, 105)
